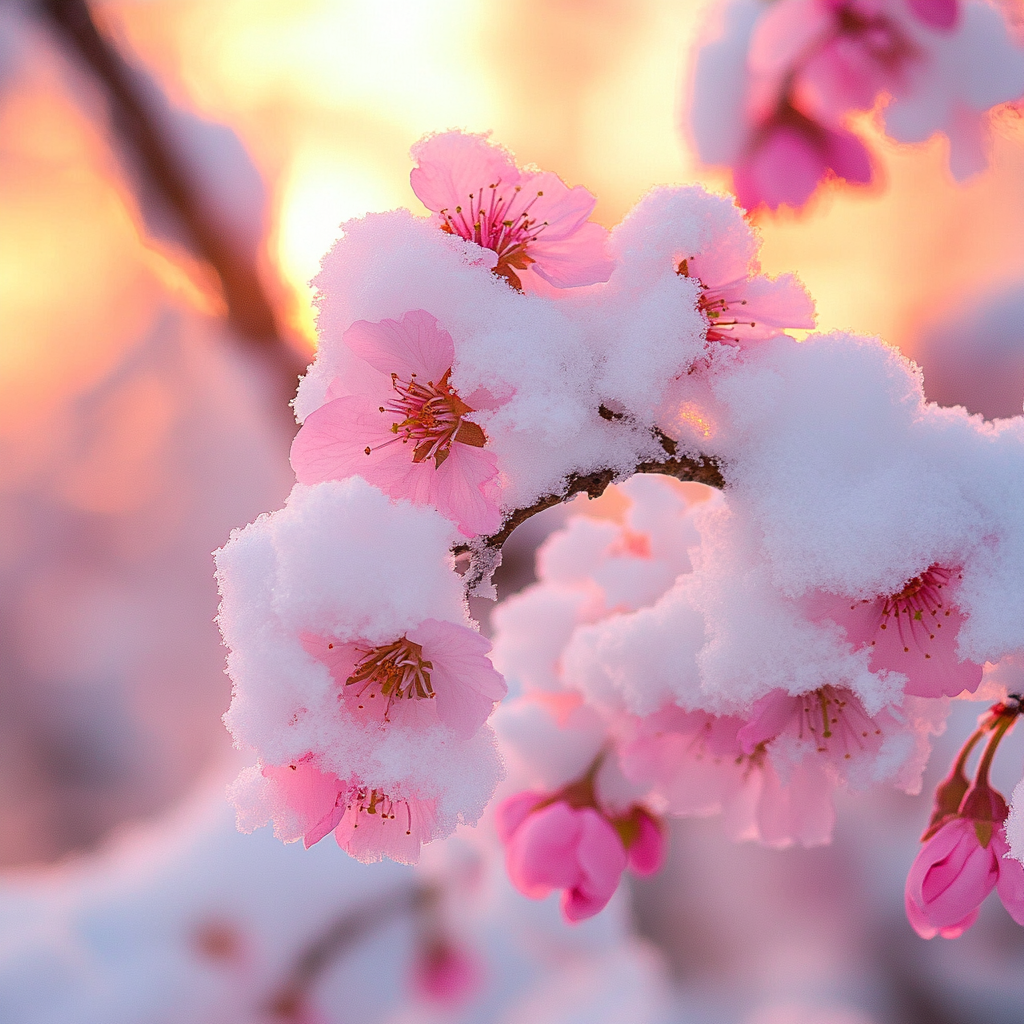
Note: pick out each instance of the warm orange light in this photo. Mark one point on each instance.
(690, 418)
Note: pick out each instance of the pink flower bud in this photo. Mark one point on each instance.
(562, 847)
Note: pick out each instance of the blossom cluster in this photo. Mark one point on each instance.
(774, 90)
(746, 654)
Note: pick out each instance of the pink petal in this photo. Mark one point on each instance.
(314, 800)
(369, 838)
(780, 302)
(602, 859)
(574, 262)
(562, 210)
(784, 169)
(464, 489)
(331, 445)
(927, 930)
(848, 157)
(770, 717)
(511, 813)
(940, 14)
(466, 684)
(1011, 878)
(952, 874)
(454, 164)
(415, 345)
(541, 853)
(648, 850)
(340, 658)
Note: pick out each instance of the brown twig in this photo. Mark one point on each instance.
(249, 309)
(701, 470)
(333, 943)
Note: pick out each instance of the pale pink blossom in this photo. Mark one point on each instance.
(830, 722)
(368, 824)
(696, 763)
(740, 307)
(436, 671)
(376, 825)
(446, 973)
(405, 428)
(913, 631)
(530, 219)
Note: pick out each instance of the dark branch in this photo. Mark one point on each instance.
(249, 309)
(348, 930)
(703, 470)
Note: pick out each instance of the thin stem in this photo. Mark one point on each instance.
(339, 937)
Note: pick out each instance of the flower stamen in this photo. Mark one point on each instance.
(395, 671)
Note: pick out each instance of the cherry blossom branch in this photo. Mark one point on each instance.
(702, 470)
(288, 1002)
(250, 311)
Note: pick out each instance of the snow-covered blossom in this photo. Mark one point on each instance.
(368, 823)
(913, 631)
(437, 671)
(530, 219)
(402, 426)
(359, 683)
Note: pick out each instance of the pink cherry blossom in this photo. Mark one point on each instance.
(789, 155)
(697, 764)
(565, 840)
(829, 721)
(532, 220)
(914, 632)
(368, 824)
(953, 873)
(556, 846)
(437, 671)
(405, 428)
(376, 825)
(740, 308)
(446, 973)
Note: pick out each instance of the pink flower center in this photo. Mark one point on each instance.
(392, 672)
(833, 718)
(918, 607)
(717, 308)
(431, 418)
(374, 802)
(499, 221)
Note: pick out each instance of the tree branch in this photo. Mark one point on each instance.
(702, 470)
(250, 311)
(288, 1001)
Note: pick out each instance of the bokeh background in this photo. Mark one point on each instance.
(145, 372)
